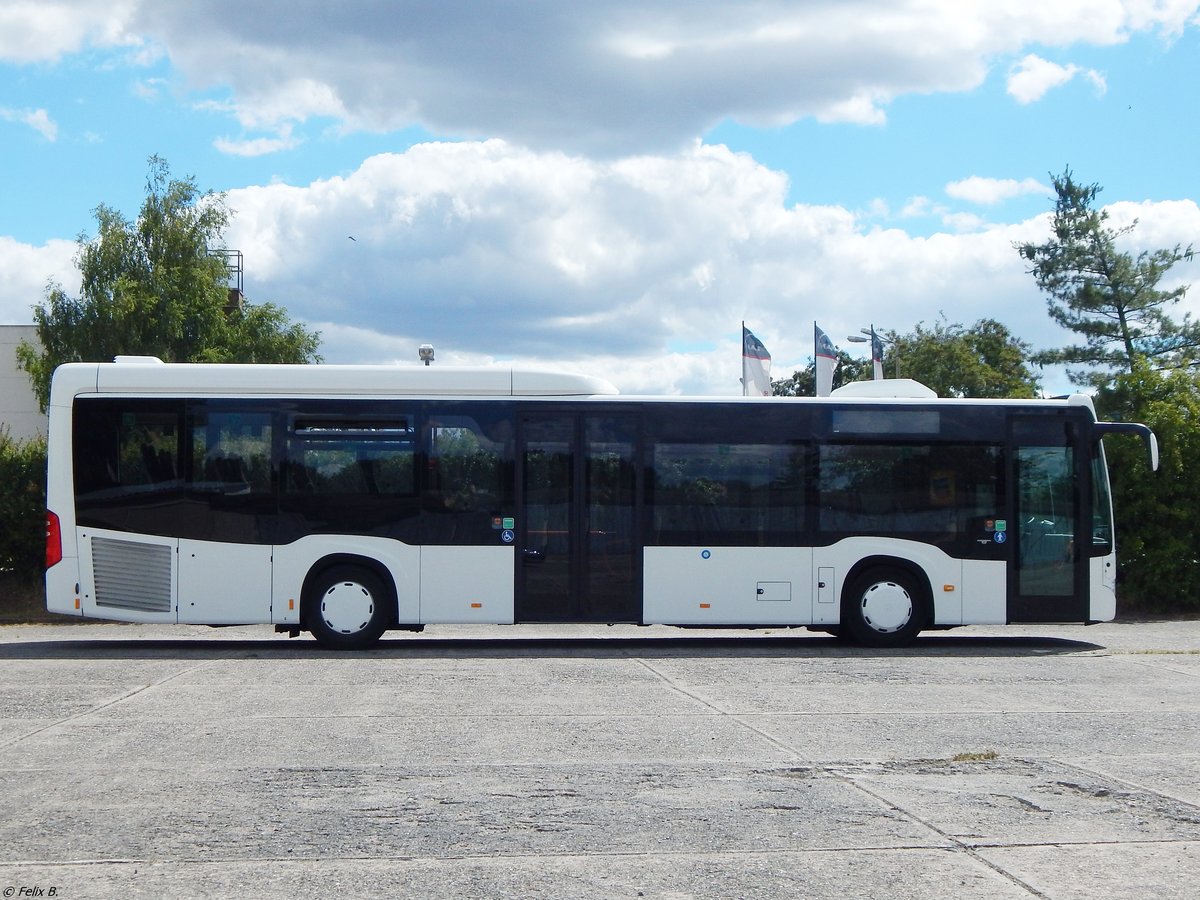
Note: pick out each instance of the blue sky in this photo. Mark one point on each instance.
(611, 187)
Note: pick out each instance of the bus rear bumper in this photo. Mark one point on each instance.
(62, 587)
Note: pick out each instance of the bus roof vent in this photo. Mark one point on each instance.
(138, 360)
(887, 389)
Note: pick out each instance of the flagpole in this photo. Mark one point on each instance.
(745, 388)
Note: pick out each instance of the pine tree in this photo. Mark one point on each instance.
(1106, 295)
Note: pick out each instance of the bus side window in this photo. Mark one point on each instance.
(934, 491)
(349, 470)
(468, 479)
(231, 450)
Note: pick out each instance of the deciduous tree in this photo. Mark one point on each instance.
(154, 287)
(803, 382)
(984, 360)
(1158, 532)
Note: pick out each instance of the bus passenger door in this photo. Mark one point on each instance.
(1047, 580)
(577, 529)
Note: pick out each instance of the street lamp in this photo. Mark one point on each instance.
(871, 333)
(425, 351)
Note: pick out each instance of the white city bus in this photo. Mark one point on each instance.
(349, 500)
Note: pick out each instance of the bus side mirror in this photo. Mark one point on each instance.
(1142, 431)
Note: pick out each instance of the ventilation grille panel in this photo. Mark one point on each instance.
(131, 575)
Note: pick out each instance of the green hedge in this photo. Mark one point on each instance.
(22, 506)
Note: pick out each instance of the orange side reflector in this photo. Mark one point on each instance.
(476, 606)
(706, 606)
(77, 603)
(948, 588)
(291, 603)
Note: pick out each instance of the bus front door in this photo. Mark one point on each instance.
(1048, 580)
(577, 528)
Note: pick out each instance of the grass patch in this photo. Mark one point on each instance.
(984, 756)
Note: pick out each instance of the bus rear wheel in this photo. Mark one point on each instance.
(884, 608)
(347, 608)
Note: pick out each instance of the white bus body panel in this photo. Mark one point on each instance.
(984, 592)
(182, 379)
(799, 586)
(467, 585)
(224, 584)
(294, 561)
(945, 574)
(1102, 571)
(128, 577)
(728, 586)
(61, 580)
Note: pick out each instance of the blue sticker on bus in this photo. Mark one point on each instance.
(508, 536)
(1000, 537)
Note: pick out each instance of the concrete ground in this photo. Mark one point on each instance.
(1039, 761)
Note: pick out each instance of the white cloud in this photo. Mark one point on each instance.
(496, 253)
(261, 146)
(45, 30)
(24, 272)
(917, 207)
(37, 119)
(608, 77)
(990, 191)
(615, 77)
(491, 251)
(1032, 77)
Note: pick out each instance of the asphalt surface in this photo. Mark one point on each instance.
(140, 761)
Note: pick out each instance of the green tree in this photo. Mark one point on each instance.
(985, 360)
(803, 382)
(1108, 297)
(1158, 534)
(154, 287)
(22, 505)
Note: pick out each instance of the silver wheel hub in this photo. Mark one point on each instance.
(347, 607)
(886, 607)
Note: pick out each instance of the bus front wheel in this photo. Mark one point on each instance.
(347, 608)
(884, 608)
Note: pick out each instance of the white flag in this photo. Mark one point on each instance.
(756, 366)
(876, 355)
(825, 358)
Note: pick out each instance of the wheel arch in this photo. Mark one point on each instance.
(896, 563)
(338, 560)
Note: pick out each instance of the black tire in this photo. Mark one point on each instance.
(347, 608)
(884, 607)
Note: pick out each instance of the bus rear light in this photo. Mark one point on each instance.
(53, 540)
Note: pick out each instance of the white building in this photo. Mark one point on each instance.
(19, 411)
